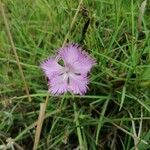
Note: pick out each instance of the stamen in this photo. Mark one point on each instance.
(60, 74)
(68, 81)
(78, 74)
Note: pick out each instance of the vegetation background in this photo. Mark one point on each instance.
(115, 112)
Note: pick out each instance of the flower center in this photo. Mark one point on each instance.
(66, 70)
(67, 73)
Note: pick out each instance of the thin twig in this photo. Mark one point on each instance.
(14, 49)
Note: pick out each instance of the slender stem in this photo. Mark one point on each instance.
(78, 127)
(100, 122)
(72, 23)
(14, 50)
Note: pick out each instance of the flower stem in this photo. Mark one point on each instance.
(78, 127)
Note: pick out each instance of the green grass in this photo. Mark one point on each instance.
(114, 113)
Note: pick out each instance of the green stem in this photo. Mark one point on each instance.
(78, 127)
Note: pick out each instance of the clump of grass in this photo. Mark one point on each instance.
(114, 114)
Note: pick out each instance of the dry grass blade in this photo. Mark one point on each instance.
(141, 13)
(14, 50)
(39, 125)
(40, 122)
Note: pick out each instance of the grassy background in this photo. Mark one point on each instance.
(115, 112)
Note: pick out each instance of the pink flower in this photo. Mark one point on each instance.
(67, 72)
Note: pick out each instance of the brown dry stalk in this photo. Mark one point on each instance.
(14, 50)
(40, 123)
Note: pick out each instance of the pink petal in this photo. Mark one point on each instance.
(70, 53)
(78, 60)
(83, 64)
(57, 85)
(78, 85)
(51, 67)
